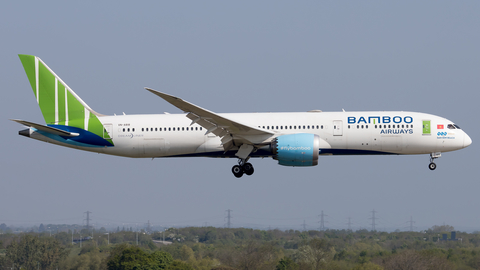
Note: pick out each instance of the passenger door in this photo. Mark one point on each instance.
(337, 128)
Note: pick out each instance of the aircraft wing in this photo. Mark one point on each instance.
(232, 132)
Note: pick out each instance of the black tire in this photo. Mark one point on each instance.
(432, 166)
(248, 168)
(237, 171)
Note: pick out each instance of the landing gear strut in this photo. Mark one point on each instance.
(432, 166)
(242, 168)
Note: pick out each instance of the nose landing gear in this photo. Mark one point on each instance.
(242, 168)
(432, 166)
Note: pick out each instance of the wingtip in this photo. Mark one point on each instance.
(151, 90)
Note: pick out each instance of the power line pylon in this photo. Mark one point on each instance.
(349, 223)
(228, 217)
(88, 219)
(411, 223)
(149, 226)
(322, 221)
(304, 225)
(373, 218)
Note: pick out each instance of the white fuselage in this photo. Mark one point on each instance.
(341, 133)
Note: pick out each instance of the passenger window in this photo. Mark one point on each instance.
(128, 130)
(268, 127)
(183, 129)
(200, 128)
(123, 129)
(348, 126)
(308, 127)
(366, 126)
(142, 129)
(303, 127)
(358, 126)
(321, 126)
(362, 126)
(173, 129)
(277, 127)
(133, 129)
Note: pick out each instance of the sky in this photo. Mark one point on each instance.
(247, 56)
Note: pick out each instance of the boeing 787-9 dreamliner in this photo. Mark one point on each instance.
(294, 139)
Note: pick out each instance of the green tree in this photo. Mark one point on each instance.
(316, 255)
(286, 264)
(254, 255)
(162, 259)
(179, 265)
(442, 228)
(125, 257)
(186, 253)
(32, 252)
(367, 266)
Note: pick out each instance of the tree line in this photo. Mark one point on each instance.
(242, 248)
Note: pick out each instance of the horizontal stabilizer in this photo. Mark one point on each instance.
(51, 130)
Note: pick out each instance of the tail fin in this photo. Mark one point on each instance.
(60, 106)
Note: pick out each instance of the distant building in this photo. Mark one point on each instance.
(453, 237)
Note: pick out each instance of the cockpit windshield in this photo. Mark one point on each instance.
(453, 126)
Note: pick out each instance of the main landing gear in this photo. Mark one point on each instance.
(242, 168)
(432, 166)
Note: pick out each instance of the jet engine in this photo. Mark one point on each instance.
(300, 149)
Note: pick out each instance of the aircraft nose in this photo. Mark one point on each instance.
(466, 140)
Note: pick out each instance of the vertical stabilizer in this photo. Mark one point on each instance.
(60, 106)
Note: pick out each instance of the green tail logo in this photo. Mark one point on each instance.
(60, 106)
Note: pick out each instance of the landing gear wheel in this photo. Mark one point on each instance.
(237, 171)
(432, 166)
(248, 168)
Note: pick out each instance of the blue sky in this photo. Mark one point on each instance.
(249, 56)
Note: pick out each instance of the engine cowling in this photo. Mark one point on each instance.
(300, 149)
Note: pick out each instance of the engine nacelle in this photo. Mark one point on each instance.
(300, 149)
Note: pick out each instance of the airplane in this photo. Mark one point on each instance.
(292, 138)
